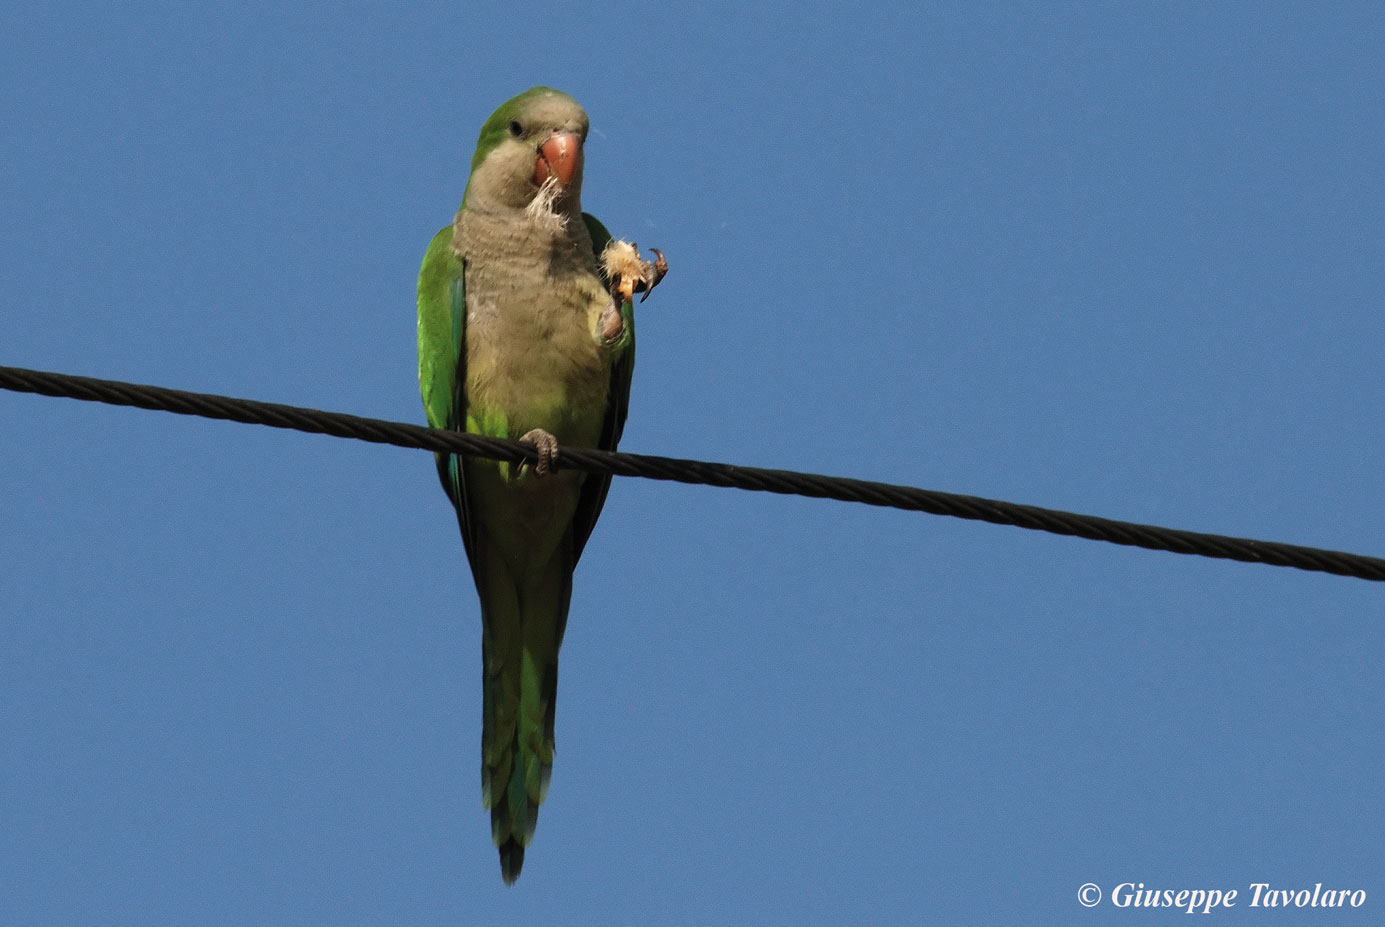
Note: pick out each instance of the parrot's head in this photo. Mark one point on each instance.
(529, 155)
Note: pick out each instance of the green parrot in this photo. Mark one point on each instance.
(526, 330)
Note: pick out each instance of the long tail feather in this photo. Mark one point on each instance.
(522, 633)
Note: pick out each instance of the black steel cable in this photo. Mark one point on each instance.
(785, 482)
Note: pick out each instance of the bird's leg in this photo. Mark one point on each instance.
(547, 446)
(611, 325)
(629, 273)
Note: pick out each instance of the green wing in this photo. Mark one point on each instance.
(441, 296)
(595, 486)
(442, 361)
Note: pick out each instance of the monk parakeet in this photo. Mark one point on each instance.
(526, 330)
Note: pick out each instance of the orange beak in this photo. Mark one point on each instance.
(558, 157)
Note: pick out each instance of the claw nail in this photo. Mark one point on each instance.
(660, 268)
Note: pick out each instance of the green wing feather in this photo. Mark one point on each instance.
(441, 360)
(617, 407)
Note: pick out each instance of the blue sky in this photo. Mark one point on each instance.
(1122, 259)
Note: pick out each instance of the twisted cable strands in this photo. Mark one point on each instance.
(785, 482)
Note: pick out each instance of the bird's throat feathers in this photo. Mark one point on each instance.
(542, 210)
(552, 214)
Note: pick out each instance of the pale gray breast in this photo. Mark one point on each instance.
(533, 298)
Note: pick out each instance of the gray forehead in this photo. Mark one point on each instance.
(557, 110)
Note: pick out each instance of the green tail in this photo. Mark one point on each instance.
(522, 631)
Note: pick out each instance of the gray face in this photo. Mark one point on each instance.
(506, 178)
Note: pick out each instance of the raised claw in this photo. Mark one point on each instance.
(629, 273)
(659, 268)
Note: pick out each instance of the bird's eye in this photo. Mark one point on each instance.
(516, 129)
